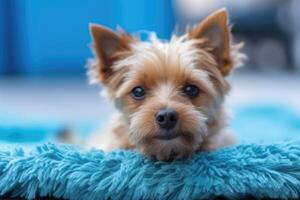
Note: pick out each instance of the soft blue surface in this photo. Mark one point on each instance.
(16, 128)
(266, 123)
(257, 169)
(64, 171)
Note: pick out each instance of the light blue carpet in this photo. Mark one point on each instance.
(265, 165)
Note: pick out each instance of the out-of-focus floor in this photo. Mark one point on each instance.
(72, 99)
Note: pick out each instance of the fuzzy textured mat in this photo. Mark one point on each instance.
(262, 171)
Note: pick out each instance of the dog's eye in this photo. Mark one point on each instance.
(191, 91)
(138, 93)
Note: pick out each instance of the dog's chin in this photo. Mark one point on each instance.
(169, 146)
(167, 136)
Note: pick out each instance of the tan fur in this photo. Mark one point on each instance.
(203, 57)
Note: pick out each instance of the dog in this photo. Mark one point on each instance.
(169, 95)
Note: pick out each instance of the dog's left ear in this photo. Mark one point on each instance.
(215, 31)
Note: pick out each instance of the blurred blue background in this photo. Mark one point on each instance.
(44, 48)
(52, 37)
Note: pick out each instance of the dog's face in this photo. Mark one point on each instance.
(168, 92)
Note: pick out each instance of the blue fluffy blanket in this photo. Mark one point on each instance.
(68, 172)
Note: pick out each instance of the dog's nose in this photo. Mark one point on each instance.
(166, 118)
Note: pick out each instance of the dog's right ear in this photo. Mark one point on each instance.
(108, 48)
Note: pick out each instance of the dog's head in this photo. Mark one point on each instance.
(168, 92)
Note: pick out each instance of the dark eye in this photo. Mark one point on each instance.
(138, 93)
(191, 91)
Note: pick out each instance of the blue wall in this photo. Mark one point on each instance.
(3, 46)
(52, 37)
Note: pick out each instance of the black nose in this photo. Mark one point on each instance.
(166, 118)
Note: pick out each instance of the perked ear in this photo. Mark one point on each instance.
(215, 31)
(108, 47)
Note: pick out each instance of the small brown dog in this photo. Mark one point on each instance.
(169, 95)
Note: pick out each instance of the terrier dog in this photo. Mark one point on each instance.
(169, 94)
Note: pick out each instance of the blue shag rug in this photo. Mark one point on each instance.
(263, 166)
(261, 171)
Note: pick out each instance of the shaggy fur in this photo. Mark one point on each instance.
(261, 171)
(203, 57)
